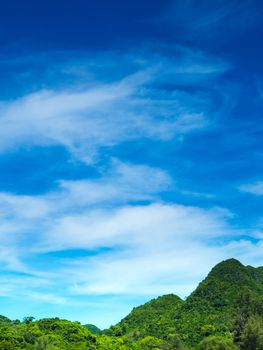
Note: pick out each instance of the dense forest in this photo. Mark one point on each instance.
(224, 312)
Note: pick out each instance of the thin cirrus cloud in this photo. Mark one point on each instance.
(146, 251)
(146, 248)
(151, 239)
(201, 19)
(132, 225)
(148, 241)
(106, 113)
(24, 218)
(254, 188)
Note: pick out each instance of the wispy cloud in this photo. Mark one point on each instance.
(24, 219)
(254, 188)
(102, 114)
(48, 298)
(209, 18)
(154, 241)
(120, 184)
(145, 246)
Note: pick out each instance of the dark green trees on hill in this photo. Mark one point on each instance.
(154, 318)
(208, 311)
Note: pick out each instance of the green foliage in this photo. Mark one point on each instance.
(175, 343)
(242, 310)
(208, 329)
(46, 334)
(216, 343)
(93, 329)
(155, 318)
(28, 319)
(4, 320)
(57, 334)
(149, 343)
(47, 342)
(252, 336)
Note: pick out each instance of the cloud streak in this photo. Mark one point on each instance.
(129, 247)
(254, 188)
(207, 19)
(103, 114)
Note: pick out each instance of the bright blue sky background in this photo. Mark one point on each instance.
(130, 151)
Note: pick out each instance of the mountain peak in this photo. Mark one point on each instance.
(229, 263)
(225, 281)
(228, 269)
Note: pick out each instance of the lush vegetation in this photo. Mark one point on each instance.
(57, 334)
(207, 315)
(225, 312)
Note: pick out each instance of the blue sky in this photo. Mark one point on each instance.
(130, 151)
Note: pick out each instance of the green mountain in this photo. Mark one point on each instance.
(208, 310)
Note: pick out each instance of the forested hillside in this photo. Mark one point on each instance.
(224, 312)
(209, 310)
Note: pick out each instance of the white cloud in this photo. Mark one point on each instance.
(207, 18)
(120, 183)
(255, 188)
(146, 245)
(26, 207)
(24, 219)
(134, 225)
(48, 298)
(131, 249)
(102, 114)
(159, 248)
